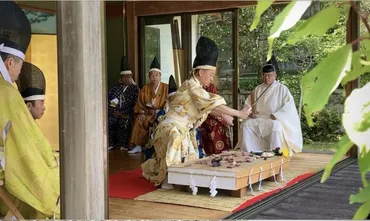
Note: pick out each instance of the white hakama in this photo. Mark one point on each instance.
(263, 133)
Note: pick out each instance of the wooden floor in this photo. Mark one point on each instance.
(134, 209)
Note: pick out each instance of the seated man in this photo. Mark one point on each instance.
(172, 88)
(122, 98)
(31, 85)
(151, 100)
(28, 166)
(274, 124)
(214, 132)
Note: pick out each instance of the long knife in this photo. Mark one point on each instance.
(261, 94)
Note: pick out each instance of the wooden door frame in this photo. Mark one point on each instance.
(145, 8)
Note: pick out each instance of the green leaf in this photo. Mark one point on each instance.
(360, 197)
(364, 60)
(342, 148)
(262, 6)
(357, 69)
(346, 9)
(317, 25)
(286, 19)
(363, 211)
(366, 43)
(322, 80)
(364, 164)
(359, 63)
(356, 117)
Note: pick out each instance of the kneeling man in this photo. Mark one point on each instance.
(274, 123)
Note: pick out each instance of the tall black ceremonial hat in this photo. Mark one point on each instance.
(15, 33)
(125, 68)
(207, 54)
(15, 28)
(31, 82)
(155, 66)
(172, 86)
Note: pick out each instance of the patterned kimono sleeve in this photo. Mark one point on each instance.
(131, 96)
(205, 101)
(114, 92)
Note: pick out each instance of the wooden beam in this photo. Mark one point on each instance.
(114, 9)
(82, 105)
(132, 36)
(353, 32)
(41, 6)
(145, 8)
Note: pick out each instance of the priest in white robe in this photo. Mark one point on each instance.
(274, 123)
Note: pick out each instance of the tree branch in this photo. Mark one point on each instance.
(359, 39)
(363, 16)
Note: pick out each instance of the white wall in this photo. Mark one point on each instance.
(194, 36)
(166, 52)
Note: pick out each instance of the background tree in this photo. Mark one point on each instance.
(300, 58)
(339, 67)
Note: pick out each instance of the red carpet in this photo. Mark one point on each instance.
(129, 184)
(267, 194)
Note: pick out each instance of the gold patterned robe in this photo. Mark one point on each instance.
(147, 97)
(31, 168)
(174, 138)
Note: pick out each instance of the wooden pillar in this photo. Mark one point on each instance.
(82, 105)
(353, 32)
(235, 77)
(187, 44)
(132, 34)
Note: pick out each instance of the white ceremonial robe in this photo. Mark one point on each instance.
(265, 134)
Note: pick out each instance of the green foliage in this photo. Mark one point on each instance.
(358, 68)
(311, 49)
(261, 8)
(285, 20)
(317, 25)
(342, 148)
(222, 38)
(362, 196)
(324, 78)
(362, 212)
(326, 127)
(364, 79)
(364, 164)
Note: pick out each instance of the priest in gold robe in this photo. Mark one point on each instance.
(274, 124)
(152, 98)
(27, 165)
(174, 139)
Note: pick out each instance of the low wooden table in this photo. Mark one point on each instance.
(236, 179)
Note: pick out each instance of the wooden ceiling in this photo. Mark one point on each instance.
(43, 6)
(145, 8)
